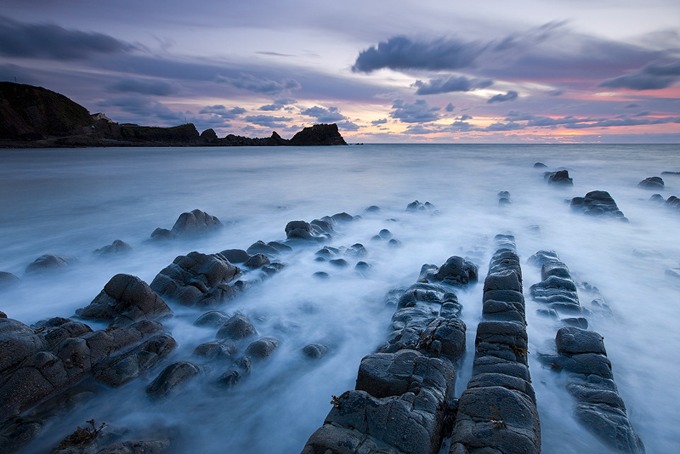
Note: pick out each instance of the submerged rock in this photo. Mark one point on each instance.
(194, 223)
(235, 255)
(561, 177)
(171, 378)
(8, 280)
(315, 351)
(49, 263)
(237, 327)
(652, 183)
(116, 248)
(599, 204)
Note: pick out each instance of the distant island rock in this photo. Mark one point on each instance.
(37, 117)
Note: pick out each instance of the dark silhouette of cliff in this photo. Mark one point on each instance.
(36, 117)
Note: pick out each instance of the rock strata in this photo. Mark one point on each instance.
(497, 412)
(599, 204)
(404, 395)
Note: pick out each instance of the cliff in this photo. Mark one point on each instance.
(36, 117)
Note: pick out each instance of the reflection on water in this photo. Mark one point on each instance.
(70, 202)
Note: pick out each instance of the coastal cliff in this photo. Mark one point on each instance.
(37, 117)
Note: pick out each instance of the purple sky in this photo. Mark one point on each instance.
(385, 71)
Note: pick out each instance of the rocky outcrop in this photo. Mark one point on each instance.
(599, 407)
(404, 395)
(232, 140)
(125, 299)
(29, 113)
(197, 280)
(497, 412)
(654, 183)
(118, 247)
(597, 204)
(321, 134)
(194, 223)
(49, 264)
(560, 178)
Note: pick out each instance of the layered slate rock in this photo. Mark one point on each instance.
(41, 362)
(598, 204)
(197, 280)
(125, 299)
(556, 291)
(599, 406)
(497, 412)
(559, 178)
(404, 393)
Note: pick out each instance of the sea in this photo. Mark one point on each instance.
(70, 202)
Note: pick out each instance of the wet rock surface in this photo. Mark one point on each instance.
(118, 247)
(654, 183)
(598, 204)
(497, 412)
(559, 178)
(49, 264)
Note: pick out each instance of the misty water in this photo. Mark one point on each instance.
(71, 202)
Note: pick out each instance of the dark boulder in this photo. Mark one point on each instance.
(49, 264)
(599, 204)
(573, 341)
(115, 248)
(540, 165)
(235, 255)
(456, 271)
(196, 279)
(257, 261)
(315, 351)
(561, 177)
(161, 234)
(262, 348)
(171, 378)
(237, 327)
(654, 183)
(214, 319)
(320, 134)
(419, 206)
(260, 247)
(194, 223)
(125, 299)
(216, 350)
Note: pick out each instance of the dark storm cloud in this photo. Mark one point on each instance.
(450, 84)
(23, 40)
(259, 84)
(381, 121)
(144, 87)
(654, 76)
(222, 112)
(417, 112)
(509, 96)
(268, 121)
(401, 52)
(449, 107)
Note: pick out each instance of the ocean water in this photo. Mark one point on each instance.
(70, 202)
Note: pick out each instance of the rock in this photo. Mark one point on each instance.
(49, 264)
(260, 247)
(17, 342)
(597, 203)
(137, 447)
(262, 348)
(237, 327)
(171, 378)
(540, 165)
(320, 134)
(456, 271)
(125, 299)
(8, 280)
(315, 351)
(235, 255)
(194, 223)
(372, 209)
(196, 279)
(303, 230)
(257, 261)
(209, 136)
(216, 350)
(321, 275)
(116, 248)
(339, 263)
(658, 198)
(561, 177)
(162, 234)
(418, 206)
(214, 319)
(572, 341)
(652, 183)
(362, 267)
(342, 217)
(394, 243)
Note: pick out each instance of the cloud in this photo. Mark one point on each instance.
(509, 96)
(510, 126)
(277, 104)
(15, 73)
(23, 40)
(461, 126)
(654, 76)
(419, 130)
(449, 107)
(450, 84)
(379, 122)
(222, 112)
(268, 121)
(417, 112)
(323, 115)
(348, 126)
(465, 117)
(145, 87)
(401, 52)
(259, 84)
(144, 109)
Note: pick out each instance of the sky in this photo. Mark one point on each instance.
(398, 71)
